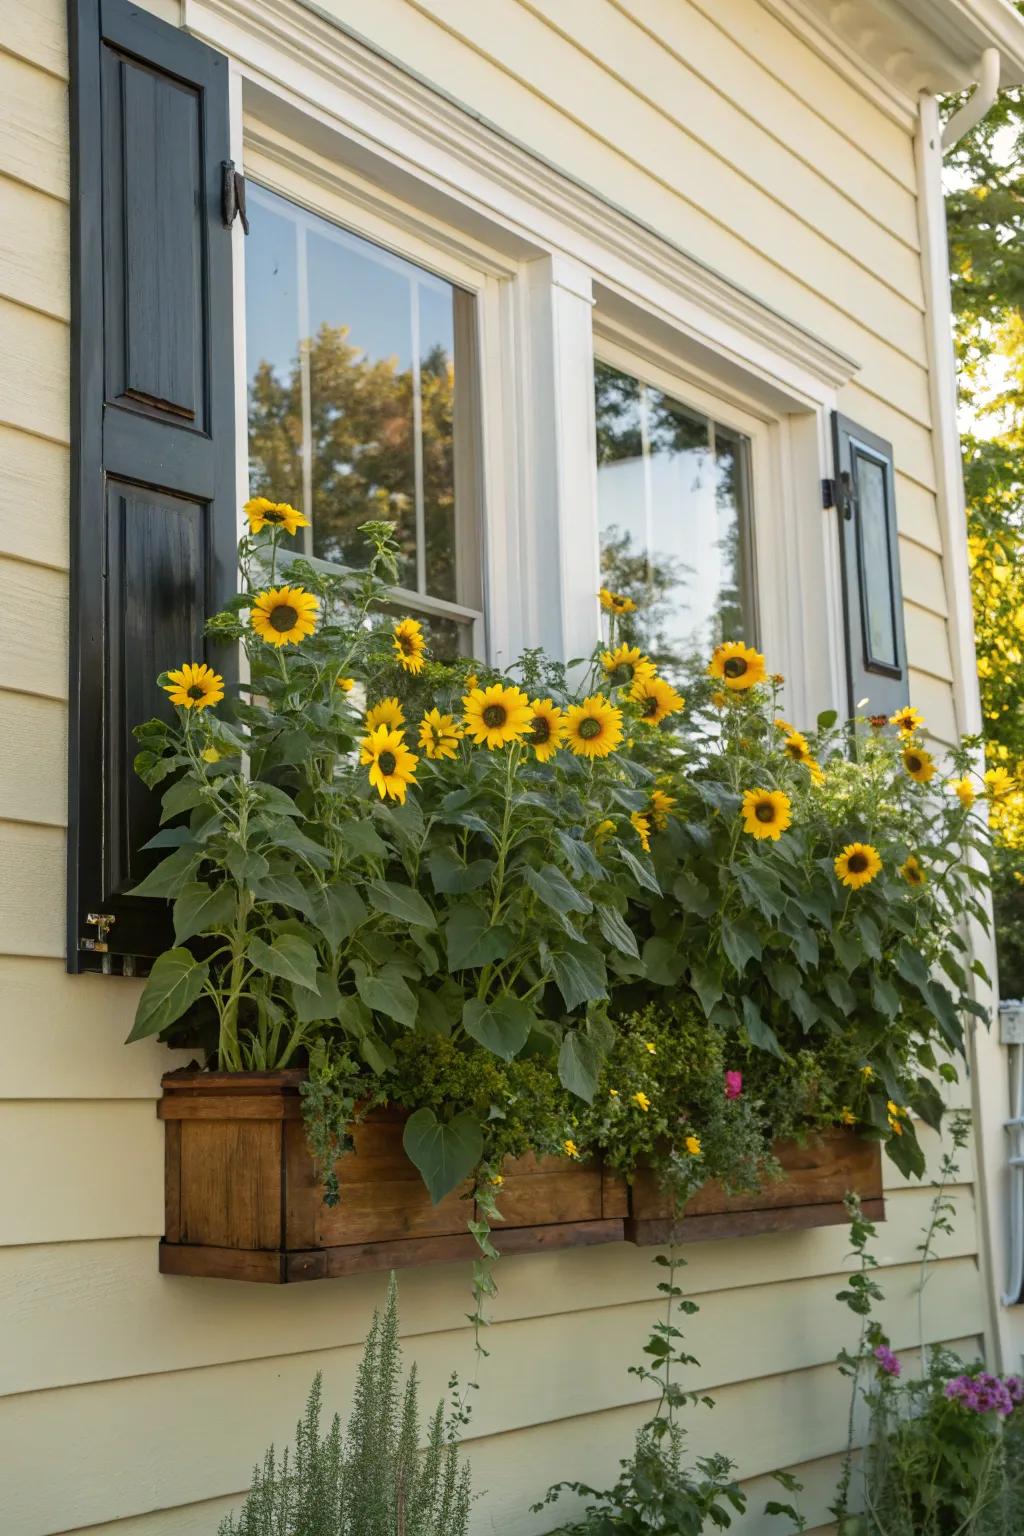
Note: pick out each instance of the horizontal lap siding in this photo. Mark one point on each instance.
(741, 145)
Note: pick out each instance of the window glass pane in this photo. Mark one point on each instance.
(876, 575)
(673, 509)
(352, 368)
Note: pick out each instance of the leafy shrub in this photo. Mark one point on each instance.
(374, 1481)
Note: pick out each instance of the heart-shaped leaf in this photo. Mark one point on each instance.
(289, 957)
(445, 1152)
(401, 901)
(471, 941)
(502, 1026)
(174, 983)
(389, 994)
(203, 909)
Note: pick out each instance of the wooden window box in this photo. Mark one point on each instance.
(242, 1201)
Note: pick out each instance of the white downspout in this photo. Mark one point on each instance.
(977, 105)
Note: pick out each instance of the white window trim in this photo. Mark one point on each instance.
(547, 249)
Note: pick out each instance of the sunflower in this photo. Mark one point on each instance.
(285, 615)
(194, 685)
(737, 665)
(387, 712)
(766, 813)
(857, 865)
(659, 809)
(593, 728)
(273, 514)
(548, 729)
(626, 665)
(392, 765)
(912, 872)
(785, 727)
(964, 791)
(603, 829)
(795, 747)
(919, 764)
(614, 602)
(642, 828)
(439, 735)
(656, 698)
(410, 645)
(907, 720)
(497, 715)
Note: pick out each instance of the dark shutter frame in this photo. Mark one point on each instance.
(152, 432)
(865, 499)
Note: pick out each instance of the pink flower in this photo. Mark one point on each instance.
(733, 1084)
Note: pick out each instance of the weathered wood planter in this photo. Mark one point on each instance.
(242, 1201)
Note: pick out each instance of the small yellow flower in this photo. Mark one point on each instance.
(964, 791)
(472, 682)
(894, 1109)
(919, 764)
(847, 1116)
(895, 1127)
(660, 809)
(392, 765)
(273, 514)
(593, 728)
(284, 615)
(907, 720)
(867, 1071)
(571, 1149)
(346, 684)
(857, 865)
(210, 755)
(737, 665)
(439, 735)
(719, 699)
(642, 1101)
(497, 1179)
(615, 602)
(642, 828)
(650, 1047)
(692, 1145)
(603, 829)
(766, 813)
(547, 729)
(410, 646)
(497, 715)
(194, 686)
(387, 712)
(998, 783)
(626, 665)
(613, 1093)
(912, 872)
(656, 698)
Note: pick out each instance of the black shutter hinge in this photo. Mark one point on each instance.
(828, 494)
(232, 195)
(844, 496)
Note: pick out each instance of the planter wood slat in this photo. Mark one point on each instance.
(243, 1202)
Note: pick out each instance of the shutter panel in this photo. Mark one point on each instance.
(153, 476)
(876, 648)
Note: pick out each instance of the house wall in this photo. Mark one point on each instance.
(138, 1403)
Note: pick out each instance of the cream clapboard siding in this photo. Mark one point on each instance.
(135, 1404)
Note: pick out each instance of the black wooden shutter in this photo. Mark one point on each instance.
(876, 647)
(152, 431)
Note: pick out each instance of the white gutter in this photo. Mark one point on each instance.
(976, 107)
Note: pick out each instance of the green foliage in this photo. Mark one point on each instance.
(372, 1481)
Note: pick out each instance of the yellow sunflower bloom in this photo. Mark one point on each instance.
(392, 765)
(857, 865)
(912, 872)
(497, 715)
(642, 1101)
(964, 791)
(785, 727)
(439, 735)
(194, 685)
(660, 808)
(907, 720)
(285, 615)
(388, 712)
(692, 1145)
(547, 729)
(642, 828)
(919, 764)
(346, 684)
(766, 813)
(626, 665)
(410, 645)
(273, 514)
(719, 699)
(614, 602)
(737, 665)
(593, 728)
(472, 681)
(656, 699)
(603, 829)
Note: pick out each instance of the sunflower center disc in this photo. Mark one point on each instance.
(650, 708)
(622, 674)
(271, 516)
(735, 667)
(857, 864)
(283, 618)
(195, 692)
(765, 811)
(386, 762)
(541, 730)
(494, 716)
(590, 728)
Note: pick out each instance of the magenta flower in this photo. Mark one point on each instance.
(887, 1361)
(733, 1084)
